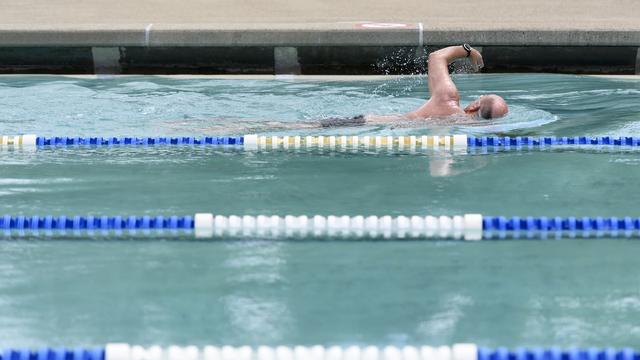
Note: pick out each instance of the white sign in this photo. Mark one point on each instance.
(374, 25)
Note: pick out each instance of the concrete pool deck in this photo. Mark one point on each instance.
(308, 36)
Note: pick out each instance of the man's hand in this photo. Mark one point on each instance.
(476, 60)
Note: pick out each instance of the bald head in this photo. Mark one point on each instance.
(492, 106)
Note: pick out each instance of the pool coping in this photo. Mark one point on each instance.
(304, 34)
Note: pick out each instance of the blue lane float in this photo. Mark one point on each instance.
(8, 222)
(123, 351)
(468, 227)
(550, 141)
(338, 142)
(138, 141)
(53, 354)
(503, 227)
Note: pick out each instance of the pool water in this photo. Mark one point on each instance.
(173, 290)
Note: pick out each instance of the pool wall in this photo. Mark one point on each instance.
(306, 60)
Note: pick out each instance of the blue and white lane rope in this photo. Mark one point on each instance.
(206, 225)
(123, 351)
(336, 142)
(252, 142)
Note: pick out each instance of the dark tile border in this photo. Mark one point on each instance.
(320, 60)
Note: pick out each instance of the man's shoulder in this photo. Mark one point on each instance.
(439, 107)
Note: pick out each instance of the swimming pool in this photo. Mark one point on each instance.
(167, 290)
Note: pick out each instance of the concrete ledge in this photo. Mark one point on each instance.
(76, 36)
(578, 37)
(287, 35)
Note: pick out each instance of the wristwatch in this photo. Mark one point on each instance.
(467, 48)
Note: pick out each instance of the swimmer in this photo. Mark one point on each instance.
(442, 108)
(445, 100)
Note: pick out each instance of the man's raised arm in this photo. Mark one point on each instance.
(441, 86)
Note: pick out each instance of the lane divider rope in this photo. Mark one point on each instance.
(207, 225)
(123, 351)
(336, 142)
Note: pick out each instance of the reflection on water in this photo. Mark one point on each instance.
(441, 325)
(256, 318)
(447, 164)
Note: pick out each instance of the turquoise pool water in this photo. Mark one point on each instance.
(79, 291)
